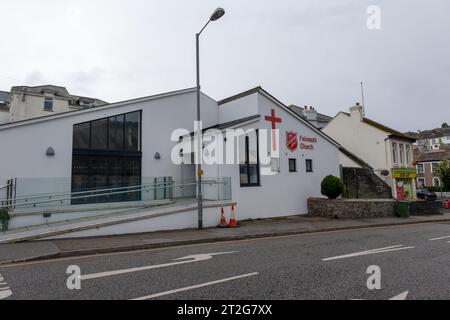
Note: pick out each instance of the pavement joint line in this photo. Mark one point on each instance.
(86, 253)
(201, 285)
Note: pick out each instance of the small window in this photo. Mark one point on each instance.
(434, 166)
(292, 165)
(408, 154)
(48, 104)
(420, 168)
(309, 165)
(401, 154)
(436, 182)
(394, 152)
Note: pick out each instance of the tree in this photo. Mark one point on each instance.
(445, 125)
(443, 172)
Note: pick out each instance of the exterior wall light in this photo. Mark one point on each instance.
(157, 156)
(50, 152)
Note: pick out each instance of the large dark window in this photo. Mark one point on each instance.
(132, 132)
(81, 135)
(249, 160)
(99, 134)
(107, 154)
(117, 133)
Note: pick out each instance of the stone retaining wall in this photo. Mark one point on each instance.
(422, 208)
(351, 209)
(368, 208)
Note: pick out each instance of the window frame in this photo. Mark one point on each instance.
(51, 101)
(394, 152)
(401, 151)
(123, 150)
(248, 165)
(309, 169)
(408, 154)
(294, 160)
(421, 165)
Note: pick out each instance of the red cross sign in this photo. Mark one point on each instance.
(274, 121)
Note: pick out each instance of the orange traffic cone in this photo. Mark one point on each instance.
(223, 220)
(232, 223)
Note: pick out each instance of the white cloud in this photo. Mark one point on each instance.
(304, 52)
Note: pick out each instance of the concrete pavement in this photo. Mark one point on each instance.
(291, 267)
(27, 251)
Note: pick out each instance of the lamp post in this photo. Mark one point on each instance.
(217, 14)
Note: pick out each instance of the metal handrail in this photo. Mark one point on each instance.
(105, 194)
(5, 186)
(50, 195)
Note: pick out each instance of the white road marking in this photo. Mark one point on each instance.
(300, 235)
(195, 258)
(374, 251)
(5, 292)
(441, 238)
(165, 293)
(401, 296)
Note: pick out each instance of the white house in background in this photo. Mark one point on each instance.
(24, 102)
(387, 151)
(130, 142)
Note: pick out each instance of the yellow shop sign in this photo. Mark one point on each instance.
(404, 173)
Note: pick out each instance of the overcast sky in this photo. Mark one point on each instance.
(309, 52)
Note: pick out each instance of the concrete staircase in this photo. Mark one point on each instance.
(363, 183)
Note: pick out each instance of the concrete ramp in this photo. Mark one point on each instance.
(181, 215)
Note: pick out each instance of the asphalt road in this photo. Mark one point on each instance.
(295, 267)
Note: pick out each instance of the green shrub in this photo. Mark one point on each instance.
(332, 187)
(4, 218)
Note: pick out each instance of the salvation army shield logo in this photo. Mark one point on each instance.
(291, 140)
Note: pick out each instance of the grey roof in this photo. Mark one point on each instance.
(436, 155)
(320, 116)
(434, 133)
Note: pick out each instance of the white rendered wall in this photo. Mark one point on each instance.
(365, 141)
(33, 106)
(237, 109)
(24, 146)
(345, 161)
(285, 193)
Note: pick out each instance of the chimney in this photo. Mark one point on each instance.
(311, 115)
(356, 112)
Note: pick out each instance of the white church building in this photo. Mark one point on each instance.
(131, 143)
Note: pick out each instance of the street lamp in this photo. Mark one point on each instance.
(217, 14)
